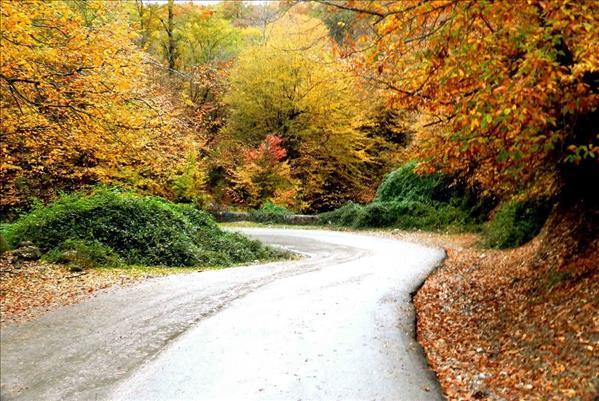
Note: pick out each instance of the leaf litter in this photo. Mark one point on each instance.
(497, 326)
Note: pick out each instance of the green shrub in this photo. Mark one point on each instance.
(516, 223)
(407, 214)
(140, 230)
(419, 215)
(272, 208)
(85, 254)
(375, 215)
(270, 213)
(345, 216)
(412, 201)
(198, 218)
(405, 184)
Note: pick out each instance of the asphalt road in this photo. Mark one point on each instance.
(335, 325)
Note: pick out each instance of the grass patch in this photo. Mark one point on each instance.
(108, 226)
(253, 224)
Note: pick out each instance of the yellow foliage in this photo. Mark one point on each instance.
(76, 108)
(292, 86)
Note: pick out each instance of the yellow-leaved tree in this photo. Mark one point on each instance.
(75, 106)
(292, 86)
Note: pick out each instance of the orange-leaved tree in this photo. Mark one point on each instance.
(264, 175)
(511, 92)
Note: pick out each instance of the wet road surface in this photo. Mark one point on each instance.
(335, 325)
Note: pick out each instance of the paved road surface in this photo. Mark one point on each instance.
(335, 325)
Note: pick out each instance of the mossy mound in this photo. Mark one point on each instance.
(115, 225)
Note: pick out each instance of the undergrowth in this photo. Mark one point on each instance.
(516, 223)
(270, 213)
(412, 201)
(111, 227)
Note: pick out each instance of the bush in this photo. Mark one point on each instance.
(345, 216)
(140, 230)
(84, 254)
(516, 223)
(405, 184)
(412, 201)
(375, 215)
(270, 213)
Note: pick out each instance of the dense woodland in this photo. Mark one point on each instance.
(231, 105)
(472, 125)
(306, 105)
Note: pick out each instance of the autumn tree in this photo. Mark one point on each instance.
(184, 35)
(205, 45)
(263, 175)
(76, 107)
(343, 25)
(292, 86)
(511, 93)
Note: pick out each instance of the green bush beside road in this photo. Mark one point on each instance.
(109, 226)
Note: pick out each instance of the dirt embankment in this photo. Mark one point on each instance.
(494, 327)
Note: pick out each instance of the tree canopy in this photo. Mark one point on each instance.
(291, 86)
(76, 107)
(513, 91)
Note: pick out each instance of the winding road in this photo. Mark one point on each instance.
(337, 324)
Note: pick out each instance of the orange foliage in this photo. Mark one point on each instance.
(516, 86)
(264, 175)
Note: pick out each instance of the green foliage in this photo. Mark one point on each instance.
(408, 214)
(516, 223)
(375, 215)
(84, 254)
(190, 184)
(270, 213)
(429, 216)
(271, 208)
(198, 218)
(140, 230)
(205, 39)
(409, 200)
(344, 216)
(341, 24)
(405, 184)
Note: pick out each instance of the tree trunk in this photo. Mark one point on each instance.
(139, 4)
(171, 39)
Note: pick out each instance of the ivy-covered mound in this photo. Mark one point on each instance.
(112, 227)
(409, 200)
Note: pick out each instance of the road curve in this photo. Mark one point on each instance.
(335, 325)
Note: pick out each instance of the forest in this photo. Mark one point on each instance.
(445, 116)
(306, 106)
